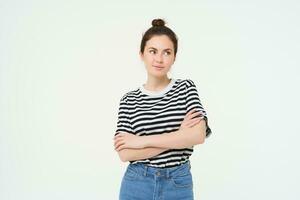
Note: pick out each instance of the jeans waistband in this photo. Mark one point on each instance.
(145, 170)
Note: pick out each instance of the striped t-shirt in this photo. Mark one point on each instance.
(144, 112)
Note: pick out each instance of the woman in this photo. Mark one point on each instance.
(158, 125)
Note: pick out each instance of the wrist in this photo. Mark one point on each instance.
(147, 141)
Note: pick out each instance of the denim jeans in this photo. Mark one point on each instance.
(141, 182)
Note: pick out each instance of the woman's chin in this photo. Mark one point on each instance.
(158, 73)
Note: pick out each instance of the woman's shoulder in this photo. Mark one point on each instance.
(186, 81)
(130, 93)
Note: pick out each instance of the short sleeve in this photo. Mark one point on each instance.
(123, 121)
(193, 102)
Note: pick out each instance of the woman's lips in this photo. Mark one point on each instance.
(158, 67)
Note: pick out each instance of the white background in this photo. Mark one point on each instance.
(64, 65)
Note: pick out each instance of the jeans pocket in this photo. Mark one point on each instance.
(130, 174)
(183, 180)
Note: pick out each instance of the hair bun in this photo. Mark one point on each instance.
(158, 22)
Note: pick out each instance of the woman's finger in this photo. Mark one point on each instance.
(189, 113)
(195, 114)
(186, 121)
(192, 121)
(119, 138)
(196, 122)
(123, 146)
(119, 143)
(192, 114)
(119, 135)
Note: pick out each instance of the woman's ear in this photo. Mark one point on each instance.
(141, 56)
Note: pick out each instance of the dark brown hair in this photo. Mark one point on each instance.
(159, 28)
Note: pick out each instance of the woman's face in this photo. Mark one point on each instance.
(158, 55)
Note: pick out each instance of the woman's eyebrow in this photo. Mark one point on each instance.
(163, 50)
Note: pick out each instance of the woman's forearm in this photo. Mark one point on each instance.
(137, 154)
(178, 139)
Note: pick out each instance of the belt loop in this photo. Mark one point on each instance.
(145, 170)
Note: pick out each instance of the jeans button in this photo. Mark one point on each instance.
(157, 173)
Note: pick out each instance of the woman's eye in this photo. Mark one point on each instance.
(151, 51)
(168, 53)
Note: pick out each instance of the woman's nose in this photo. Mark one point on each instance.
(158, 58)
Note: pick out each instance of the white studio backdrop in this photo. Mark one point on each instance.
(64, 66)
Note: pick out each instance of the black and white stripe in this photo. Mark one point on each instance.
(144, 113)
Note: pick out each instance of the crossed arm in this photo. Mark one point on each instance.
(130, 154)
(132, 147)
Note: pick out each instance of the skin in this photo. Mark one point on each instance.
(125, 140)
(158, 58)
(158, 52)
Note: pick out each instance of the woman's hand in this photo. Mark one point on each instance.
(127, 140)
(188, 120)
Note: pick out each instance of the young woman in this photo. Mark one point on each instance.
(158, 125)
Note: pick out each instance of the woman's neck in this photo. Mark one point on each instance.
(156, 83)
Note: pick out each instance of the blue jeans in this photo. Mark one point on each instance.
(141, 182)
